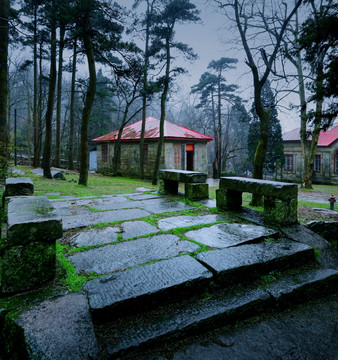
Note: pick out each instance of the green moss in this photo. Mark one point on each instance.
(71, 279)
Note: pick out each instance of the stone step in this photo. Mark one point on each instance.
(208, 311)
(138, 288)
(150, 285)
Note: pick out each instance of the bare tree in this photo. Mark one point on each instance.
(248, 16)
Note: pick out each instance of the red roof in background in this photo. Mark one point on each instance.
(326, 138)
(152, 132)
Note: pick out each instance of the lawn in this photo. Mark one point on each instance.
(97, 185)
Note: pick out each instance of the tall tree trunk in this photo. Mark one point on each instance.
(58, 97)
(163, 109)
(219, 137)
(35, 94)
(144, 97)
(51, 93)
(40, 110)
(71, 116)
(89, 50)
(4, 139)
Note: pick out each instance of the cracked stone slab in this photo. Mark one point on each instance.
(161, 205)
(226, 235)
(77, 221)
(137, 228)
(59, 329)
(248, 261)
(96, 237)
(128, 254)
(156, 280)
(186, 221)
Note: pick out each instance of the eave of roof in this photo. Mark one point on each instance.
(171, 132)
(326, 138)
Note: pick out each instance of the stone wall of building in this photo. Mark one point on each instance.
(326, 174)
(173, 157)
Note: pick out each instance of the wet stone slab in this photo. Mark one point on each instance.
(185, 221)
(131, 253)
(96, 237)
(143, 196)
(248, 261)
(77, 221)
(226, 235)
(112, 203)
(164, 276)
(157, 206)
(137, 228)
(59, 329)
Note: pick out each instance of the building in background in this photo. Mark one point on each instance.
(184, 149)
(325, 169)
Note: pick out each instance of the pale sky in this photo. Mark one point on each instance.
(212, 39)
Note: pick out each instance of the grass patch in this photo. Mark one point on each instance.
(97, 184)
(71, 279)
(313, 204)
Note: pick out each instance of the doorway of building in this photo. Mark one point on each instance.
(190, 157)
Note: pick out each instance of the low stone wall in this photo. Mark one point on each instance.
(280, 199)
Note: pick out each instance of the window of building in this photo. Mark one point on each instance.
(317, 163)
(336, 162)
(104, 151)
(288, 162)
(145, 153)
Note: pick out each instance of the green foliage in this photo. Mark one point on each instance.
(275, 148)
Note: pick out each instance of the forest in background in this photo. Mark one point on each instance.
(58, 108)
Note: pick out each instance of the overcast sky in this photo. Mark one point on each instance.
(212, 39)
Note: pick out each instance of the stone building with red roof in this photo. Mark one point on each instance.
(325, 169)
(184, 149)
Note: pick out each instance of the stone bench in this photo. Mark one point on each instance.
(195, 186)
(280, 199)
(28, 252)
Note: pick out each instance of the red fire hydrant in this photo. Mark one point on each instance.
(332, 200)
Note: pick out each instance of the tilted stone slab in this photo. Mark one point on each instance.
(185, 176)
(143, 196)
(186, 221)
(77, 221)
(227, 235)
(134, 287)
(32, 219)
(267, 188)
(137, 228)
(56, 329)
(131, 253)
(245, 262)
(21, 186)
(95, 237)
(305, 286)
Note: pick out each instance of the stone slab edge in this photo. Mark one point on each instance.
(295, 289)
(137, 288)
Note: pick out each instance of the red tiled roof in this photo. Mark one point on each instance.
(152, 132)
(326, 138)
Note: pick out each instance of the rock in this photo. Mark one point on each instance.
(55, 329)
(327, 229)
(21, 186)
(196, 191)
(131, 253)
(245, 262)
(134, 288)
(58, 175)
(227, 235)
